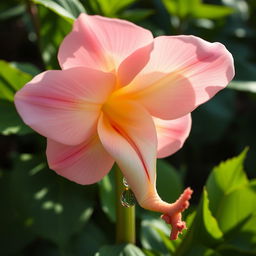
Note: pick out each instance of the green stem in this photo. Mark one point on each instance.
(125, 217)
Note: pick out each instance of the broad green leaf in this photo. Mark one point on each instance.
(67, 9)
(52, 32)
(180, 8)
(11, 80)
(169, 184)
(235, 207)
(226, 177)
(120, 250)
(110, 8)
(154, 235)
(107, 195)
(52, 207)
(10, 121)
(246, 86)
(196, 9)
(204, 230)
(210, 11)
(244, 238)
(210, 231)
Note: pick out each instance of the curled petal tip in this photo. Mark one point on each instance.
(173, 216)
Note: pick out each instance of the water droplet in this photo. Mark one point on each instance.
(125, 182)
(127, 198)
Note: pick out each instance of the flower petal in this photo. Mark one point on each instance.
(104, 43)
(127, 132)
(183, 72)
(171, 134)
(86, 163)
(64, 105)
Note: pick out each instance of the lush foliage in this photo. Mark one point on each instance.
(44, 214)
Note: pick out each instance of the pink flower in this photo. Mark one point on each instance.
(123, 97)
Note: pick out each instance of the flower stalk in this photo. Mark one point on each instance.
(125, 216)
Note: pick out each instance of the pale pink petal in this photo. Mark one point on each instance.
(104, 43)
(86, 163)
(171, 134)
(64, 105)
(127, 132)
(183, 72)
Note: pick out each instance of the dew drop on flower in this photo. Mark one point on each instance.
(127, 198)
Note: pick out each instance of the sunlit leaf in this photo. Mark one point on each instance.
(196, 9)
(204, 230)
(52, 32)
(11, 80)
(226, 177)
(67, 9)
(235, 207)
(110, 8)
(210, 11)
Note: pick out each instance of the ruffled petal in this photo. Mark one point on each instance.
(171, 134)
(86, 163)
(182, 73)
(64, 105)
(127, 132)
(104, 43)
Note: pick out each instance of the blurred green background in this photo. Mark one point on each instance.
(44, 214)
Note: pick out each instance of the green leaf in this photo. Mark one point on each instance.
(196, 9)
(243, 239)
(52, 207)
(136, 15)
(204, 230)
(107, 195)
(235, 207)
(52, 32)
(67, 9)
(169, 184)
(226, 177)
(120, 250)
(110, 8)
(12, 11)
(10, 122)
(246, 86)
(26, 67)
(210, 11)
(11, 80)
(155, 236)
(210, 231)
